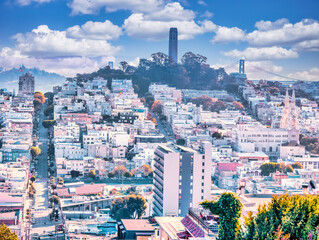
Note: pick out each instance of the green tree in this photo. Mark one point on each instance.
(92, 174)
(268, 168)
(180, 141)
(146, 169)
(48, 123)
(128, 174)
(6, 234)
(39, 96)
(119, 171)
(289, 169)
(35, 151)
(60, 181)
(157, 107)
(32, 179)
(228, 207)
(130, 207)
(296, 215)
(238, 105)
(54, 199)
(217, 135)
(49, 96)
(48, 110)
(111, 175)
(297, 165)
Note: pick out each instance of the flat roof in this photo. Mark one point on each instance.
(138, 225)
(171, 225)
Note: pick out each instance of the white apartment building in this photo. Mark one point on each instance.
(162, 92)
(310, 162)
(69, 151)
(254, 138)
(182, 178)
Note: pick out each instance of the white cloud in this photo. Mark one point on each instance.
(200, 2)
(95, 30)
(287, 35)
(262, 53)
(93, 6)
(28, 2)
(44, 42)
(307, 46)
(268, 25)
(310, 75)
(67, 66)
(135, 62)
(225, 34)
(207, 14)
(171, 12)
(138, 26)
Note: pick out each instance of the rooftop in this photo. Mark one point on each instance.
(138, 225)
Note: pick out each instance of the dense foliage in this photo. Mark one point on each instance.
(270, 167)
(311, 143)
(293, 216)
(6, 234)
(192, 73)
(129, 207)
(228, 207)
(35, 151)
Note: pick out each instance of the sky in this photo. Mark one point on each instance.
(78, 36)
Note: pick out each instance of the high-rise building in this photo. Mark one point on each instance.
(173, 44)
(182, 178)
(26, 84)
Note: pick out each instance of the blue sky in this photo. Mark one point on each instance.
(71, 36)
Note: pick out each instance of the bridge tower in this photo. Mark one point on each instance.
(242, 66)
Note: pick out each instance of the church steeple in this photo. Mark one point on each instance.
(289, 117)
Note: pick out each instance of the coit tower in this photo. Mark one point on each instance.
(173, 38)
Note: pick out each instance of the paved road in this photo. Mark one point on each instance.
(42, 224)
(42, 165)
(164, 128)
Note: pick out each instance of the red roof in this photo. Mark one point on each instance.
(82, 190)
(228, 166)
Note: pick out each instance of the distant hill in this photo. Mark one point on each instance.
(44, 81)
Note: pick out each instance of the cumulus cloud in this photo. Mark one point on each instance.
(286, 35)
(307, 46)
(225, 34)
(310, 75)
(172, 12)
(266, 53)
(66, 66)
(202, 3)
(44, 42)
(207, 14)
(95, 30)
(268, 25)
(93, 6)
(28, 2)
(138, 26)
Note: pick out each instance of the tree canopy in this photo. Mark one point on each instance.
(228, 207)
(35, 151)
(270, 167)
(296, 216)
(92, 174)
(192, 73)
(6, 234)
(48, 123)
(129, 207)
(157, 107)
